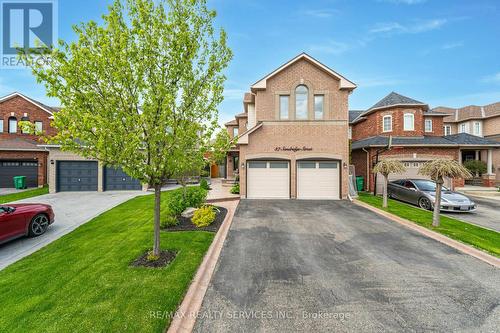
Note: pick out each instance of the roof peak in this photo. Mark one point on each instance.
(394, 98)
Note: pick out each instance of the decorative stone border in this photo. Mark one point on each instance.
(185, 317)
(487, 258)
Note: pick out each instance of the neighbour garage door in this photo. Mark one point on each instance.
(10, 169)
(318, 180)
(117, 180)
(268, 180)
(412, 168)
(77, 176)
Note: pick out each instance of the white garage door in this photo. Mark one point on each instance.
(268, 180)
(412, 168)
(318, 180)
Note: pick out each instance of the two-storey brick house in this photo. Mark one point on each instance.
(293, 134)
(20, 154)
(482, 121)
(405, 129)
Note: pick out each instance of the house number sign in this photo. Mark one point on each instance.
(293, 148)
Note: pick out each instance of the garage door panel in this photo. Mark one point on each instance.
(10, 169)
(318, 180)
(116, 179)
(268, 180)
(77, 176)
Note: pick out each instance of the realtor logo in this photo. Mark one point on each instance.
(28, 25)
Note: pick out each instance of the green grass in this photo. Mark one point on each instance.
(23, 194)
(83, 282)
(481, 238)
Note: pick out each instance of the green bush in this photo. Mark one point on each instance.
(180, 199)
(169, 221)
(475, 167)
(203, 216)
(204, 184)
(235, 189)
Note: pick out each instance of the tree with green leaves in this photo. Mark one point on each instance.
(438, 170)
(140, 90)
(387, 167)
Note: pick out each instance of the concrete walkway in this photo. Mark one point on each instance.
(318, 266)
(487, 213)
(219, 192)
(72, 209)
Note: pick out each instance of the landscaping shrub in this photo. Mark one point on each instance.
(475, 167)
(152, 257)
(235, 189)
(203, 216)
(169, 221)
(183, 198)
(204, 184)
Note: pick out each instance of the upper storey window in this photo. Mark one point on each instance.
(409, 122)
(235, 132)
(284, 106)
(387, 123)
(318, 106)
(12, 125)
(428, 125)
(301, 93)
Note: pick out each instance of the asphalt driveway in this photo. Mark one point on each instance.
(72, 209)
(334, 266)
(487, 213)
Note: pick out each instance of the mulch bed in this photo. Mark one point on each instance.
(166, 257)
(185, 224)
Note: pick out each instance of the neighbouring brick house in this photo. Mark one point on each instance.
(405, 129)
(293, 134)
(19, 152)
(482, 121)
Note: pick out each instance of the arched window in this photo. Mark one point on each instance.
(301, 94)
(24, 129)
(12, 125)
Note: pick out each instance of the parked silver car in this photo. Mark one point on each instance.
(422, 192)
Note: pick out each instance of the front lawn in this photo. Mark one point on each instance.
(83, 282)
(478, 237)
(6, 198)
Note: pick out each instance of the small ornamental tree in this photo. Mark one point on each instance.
(437, 170)
(387, 167)
(139, 91)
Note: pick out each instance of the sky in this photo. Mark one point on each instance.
(441, 52)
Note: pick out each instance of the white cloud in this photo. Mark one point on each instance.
(494, 78)
(415, 27)
(319, 13)
(452, 45)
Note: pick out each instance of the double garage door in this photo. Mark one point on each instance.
(77, 176)
(10, 169)
(271, 180)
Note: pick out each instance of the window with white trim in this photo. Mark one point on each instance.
(235, 132)
(477, 128)
(12, 125)
(463, 128)
(387, 123)
(301, 98)
(38, 127)
(284, 102)
(428, 125)
(447, 129)
(1, 125)
(409, 122)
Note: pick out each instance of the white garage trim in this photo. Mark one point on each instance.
(318, 180)
(268, 179)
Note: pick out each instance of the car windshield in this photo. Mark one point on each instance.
(427, 185)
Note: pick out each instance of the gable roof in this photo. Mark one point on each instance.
(42, 106)
(469, 112)
(354, 114)
(395, 99)
(344, 83)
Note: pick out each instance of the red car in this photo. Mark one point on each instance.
(17, 220)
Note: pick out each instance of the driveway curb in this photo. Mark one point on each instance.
(185, 317)
(487, 258)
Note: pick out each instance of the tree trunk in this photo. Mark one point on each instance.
(385, 191)
(437, 203)
(156, 243)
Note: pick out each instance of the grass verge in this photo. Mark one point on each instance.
(481, 238)
(6, 198)
(82, 282)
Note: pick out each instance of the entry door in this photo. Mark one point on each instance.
(268, 180)
(318, 180)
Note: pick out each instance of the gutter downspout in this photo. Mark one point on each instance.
(367, 167)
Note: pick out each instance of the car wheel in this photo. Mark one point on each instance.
(38, 225)
(424, 203)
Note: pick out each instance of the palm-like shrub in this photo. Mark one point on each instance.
(387, 167)
(437, 170)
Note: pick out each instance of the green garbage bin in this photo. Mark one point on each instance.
(360, 182)
(20, 182)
